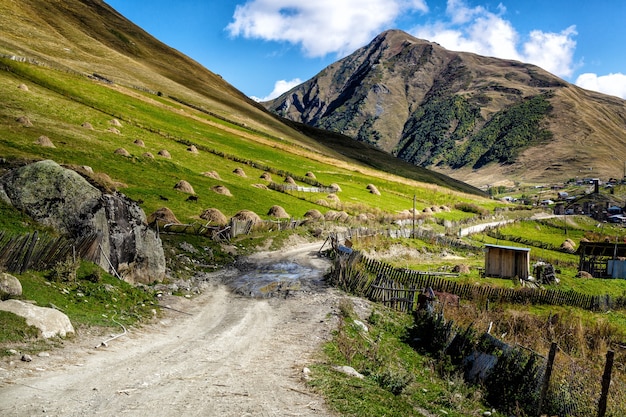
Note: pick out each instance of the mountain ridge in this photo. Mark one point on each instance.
(478, 119)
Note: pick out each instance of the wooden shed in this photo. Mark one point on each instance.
(507, 262)
(602, 259)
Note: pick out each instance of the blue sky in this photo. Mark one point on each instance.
(265, 47)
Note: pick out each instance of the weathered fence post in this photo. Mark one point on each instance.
(606, 381)
(546, 377)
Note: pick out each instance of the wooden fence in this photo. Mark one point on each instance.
(362, 276)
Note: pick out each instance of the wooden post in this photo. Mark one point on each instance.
(606, 382)
(546, 377)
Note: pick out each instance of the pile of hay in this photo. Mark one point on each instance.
(278, 212)
(113, 130)
(23, 87)
(461, 269)
(333, 197)
(164, 153)
(310, 175)
(313, 214)
(192, 149)
(323, 203)
(121, 151)
(583, 274)
(445, 209)
(240, 172)
(435, 209)
(260, 186)
(45, 142)
(24, 121)
(116, 122)
(184, 187)
(342, 216)
(214, 216)
(220, 189)
(266, 176)
(87, 125)
(568, 246)
(290, 180)
(362, 217)
(139, 142)
(247, 215)
(147, 155)
(211, 174)
(163, 216)
(427, 210)
(331, 215)
(335, 187)
(372, 189)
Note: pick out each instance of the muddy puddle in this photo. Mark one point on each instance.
(274, 279)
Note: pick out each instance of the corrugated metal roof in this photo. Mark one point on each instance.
(515, 248)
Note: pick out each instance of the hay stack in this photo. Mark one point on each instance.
(290, 180)
(115, 122)
(184, 187)
(335, 187)
(362, 217)
(568, 246)
(23, 87)
(461, 269)
(583, 274)
(147, 155)
(372, 189)
(163, 216)
(445, 209)
(342, 216)
(113, 130)
(266, 176)
(214, 216)
(164, 153)
(24, 121)
(310, 175)
(211, 174)
(122, 151)
(278, 212)
(323, 203)
(140, 143)
(220, 189)
(87, 125)
(427, 210)
(260, 186)
(333, 197)
(331, 215)
(247, 215)
(313, 214)
(435, 209)
(45, 142)
(240, 172)
(192, 149)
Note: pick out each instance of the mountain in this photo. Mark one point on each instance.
(479, 119)
(83, 86)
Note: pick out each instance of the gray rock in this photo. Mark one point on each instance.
(9, 286)
(350, 371)
(49, 321)
(26, 358)
(62, 199)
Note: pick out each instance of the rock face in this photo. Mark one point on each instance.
(62, 199)
(51, 322)
(9, 286)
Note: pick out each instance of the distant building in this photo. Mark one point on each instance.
(507, 262)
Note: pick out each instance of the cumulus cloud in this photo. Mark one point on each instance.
(613, 84)
(320, 27)
(478, 30)
(281, 86)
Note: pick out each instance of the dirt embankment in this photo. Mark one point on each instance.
(218, 354)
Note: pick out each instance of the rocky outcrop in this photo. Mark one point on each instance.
(49, 321)
(62, 199)
(9, 286)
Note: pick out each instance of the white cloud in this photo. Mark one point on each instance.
(613, 84)
(320, 27)
(281, 86)
(488, 33)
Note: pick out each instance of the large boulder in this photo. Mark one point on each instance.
(49, 321)
(62, 199)
(10, 286)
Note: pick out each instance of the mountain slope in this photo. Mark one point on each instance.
(476, 118)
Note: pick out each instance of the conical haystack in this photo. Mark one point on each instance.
(211, 174)
(24, 121)
(192, 149)
(184, 186)
(266, 176)
(335, 187)
(45, 142)
(247, 215)
(139, 142)
(240, 172)
(147, 155)
(113, 130)
(115, 122)
(87, 125)
(164, 153)
(333, 197)
(163, 216)
(313, 214)
(309, 174)
(372, 189)
(121, 151)
(278, 212)
(220, 189)
(260, 186)
(214, 216)
(23, 87)
(290, 180)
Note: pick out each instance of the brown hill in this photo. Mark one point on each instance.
(475, 118)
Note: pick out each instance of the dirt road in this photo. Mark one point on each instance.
(229, 355)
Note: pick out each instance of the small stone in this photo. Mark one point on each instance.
(26, 358)
(43, 354)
